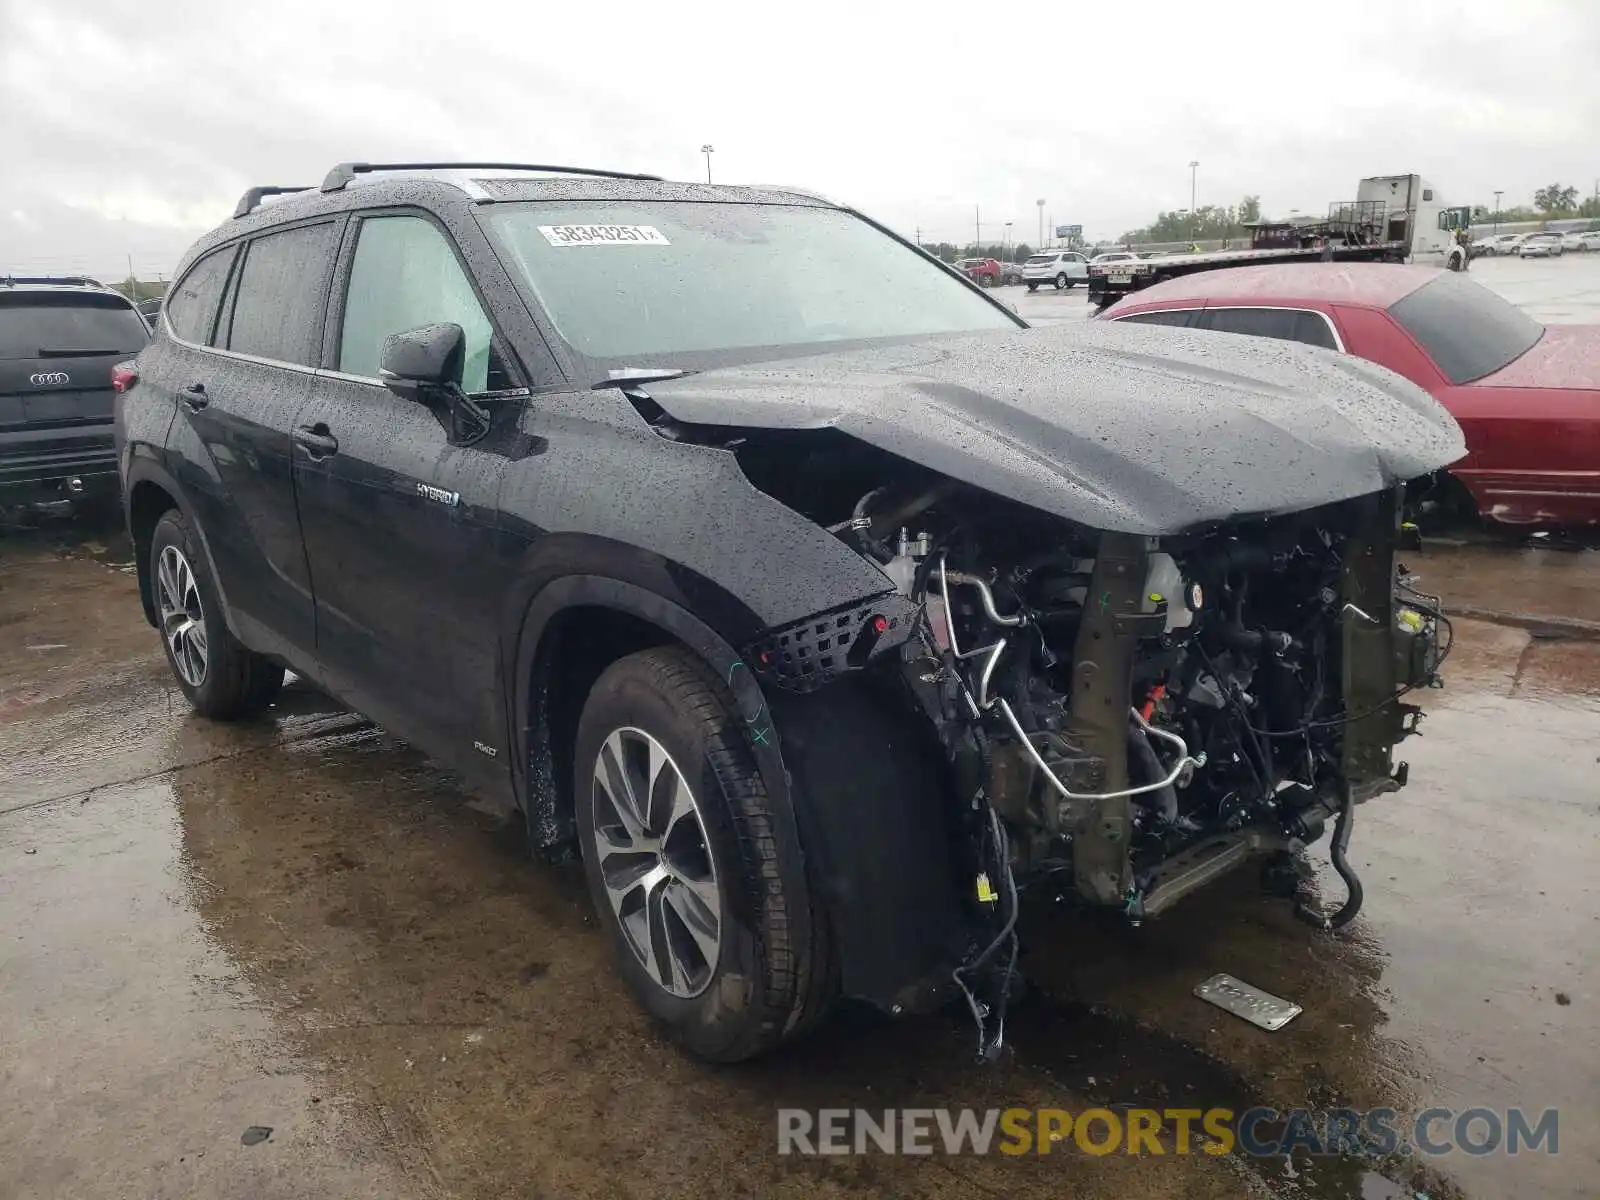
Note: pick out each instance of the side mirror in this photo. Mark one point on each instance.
(421, 359)
(425, 365)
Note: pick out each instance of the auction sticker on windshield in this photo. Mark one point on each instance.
(603, 235)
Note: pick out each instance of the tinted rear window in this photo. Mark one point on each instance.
(1178, 317)
(192, 304)
(1466, 329)
(34, 325)
(1283, 324)
(283, 285)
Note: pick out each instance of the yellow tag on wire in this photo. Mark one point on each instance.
(986, 893)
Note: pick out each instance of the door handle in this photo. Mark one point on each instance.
(195, 397)
(316, 440)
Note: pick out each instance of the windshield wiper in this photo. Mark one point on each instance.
(626, 377)
(58, 352)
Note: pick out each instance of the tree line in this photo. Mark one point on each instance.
(1553, 202)
(1206, 223)
(949, 252)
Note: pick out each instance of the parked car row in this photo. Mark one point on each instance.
(1060, 268)
(1546, 244)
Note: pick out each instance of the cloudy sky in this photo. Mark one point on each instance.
(130, 127)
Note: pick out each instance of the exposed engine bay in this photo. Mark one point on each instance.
(1134, 716)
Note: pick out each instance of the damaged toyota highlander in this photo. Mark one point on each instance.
(807, 595)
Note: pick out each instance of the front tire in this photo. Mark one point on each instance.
(221, 678)
(681, 850)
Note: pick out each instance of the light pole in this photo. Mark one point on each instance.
(1040, 203)
(708, 150)
(1005, 240)
(1497, 196)
(1194, 213)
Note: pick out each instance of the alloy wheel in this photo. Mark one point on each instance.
(182, 615)
(655, 862)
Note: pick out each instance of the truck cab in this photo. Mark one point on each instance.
(1415, 212)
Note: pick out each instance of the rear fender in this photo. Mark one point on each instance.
(141, 467)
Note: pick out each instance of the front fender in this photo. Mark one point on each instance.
(864, 823)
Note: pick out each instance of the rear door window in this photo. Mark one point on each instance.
(1181, 317)
(192, 302)
(44, 325)
(280, 296)
(1286, 325)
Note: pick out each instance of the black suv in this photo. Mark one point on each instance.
(812, 597)
(60, 342)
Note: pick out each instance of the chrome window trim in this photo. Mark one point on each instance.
(1338, 342)
(325, 372)
(235, 354)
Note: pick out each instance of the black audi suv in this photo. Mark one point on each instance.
(61, 338)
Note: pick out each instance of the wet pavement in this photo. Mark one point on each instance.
(302, 924)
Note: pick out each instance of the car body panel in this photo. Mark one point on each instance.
(232, 459)
(1532, 428)
(1077, 420)
(1536, 452)
(688, 504)
(1567, 356)
(401, 536)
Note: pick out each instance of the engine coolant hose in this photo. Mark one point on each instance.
(1336, 853)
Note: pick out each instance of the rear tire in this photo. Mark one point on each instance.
(222, 679)
(1033, 287)
(1061, 282)
(730, 984)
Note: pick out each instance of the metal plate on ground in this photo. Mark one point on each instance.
(1258, 1007)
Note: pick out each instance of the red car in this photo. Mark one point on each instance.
(985, 272)
(1526, 396)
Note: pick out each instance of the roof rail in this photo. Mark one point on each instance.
(9, 280)
(251, 200)
(345, 172)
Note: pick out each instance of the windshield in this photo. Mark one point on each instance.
(676, 283)
(1468, 330)
(39, 324)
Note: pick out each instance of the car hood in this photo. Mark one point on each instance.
(1120, 426)
(1567, 356)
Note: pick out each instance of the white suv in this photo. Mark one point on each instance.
(1063, 268)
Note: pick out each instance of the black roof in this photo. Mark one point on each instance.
(362, 185)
